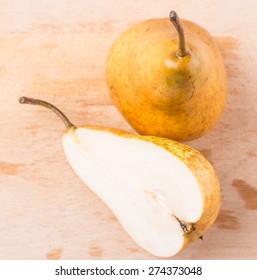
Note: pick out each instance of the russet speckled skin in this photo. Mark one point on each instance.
(200, 167)
(159, 93)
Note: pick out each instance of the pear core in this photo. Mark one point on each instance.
(148, 189)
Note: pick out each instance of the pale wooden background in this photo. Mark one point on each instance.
(56, 50)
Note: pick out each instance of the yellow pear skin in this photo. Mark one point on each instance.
(167, 81)
(164, 193)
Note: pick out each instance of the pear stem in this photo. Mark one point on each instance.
(28, 100)
(182, 49)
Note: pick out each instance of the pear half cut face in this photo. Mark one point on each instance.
(154, 194)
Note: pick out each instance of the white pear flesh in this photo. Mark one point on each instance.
(149, 190)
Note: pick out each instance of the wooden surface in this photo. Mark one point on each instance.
(56, 50)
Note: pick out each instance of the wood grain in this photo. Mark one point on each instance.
(56, 51)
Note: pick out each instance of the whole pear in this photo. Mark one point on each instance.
(167, 78)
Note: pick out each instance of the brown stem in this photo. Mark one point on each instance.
(182, 49)
(27, 100)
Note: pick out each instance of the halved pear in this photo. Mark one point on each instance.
(165, 194)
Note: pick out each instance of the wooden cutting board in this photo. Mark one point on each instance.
(56, 51)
